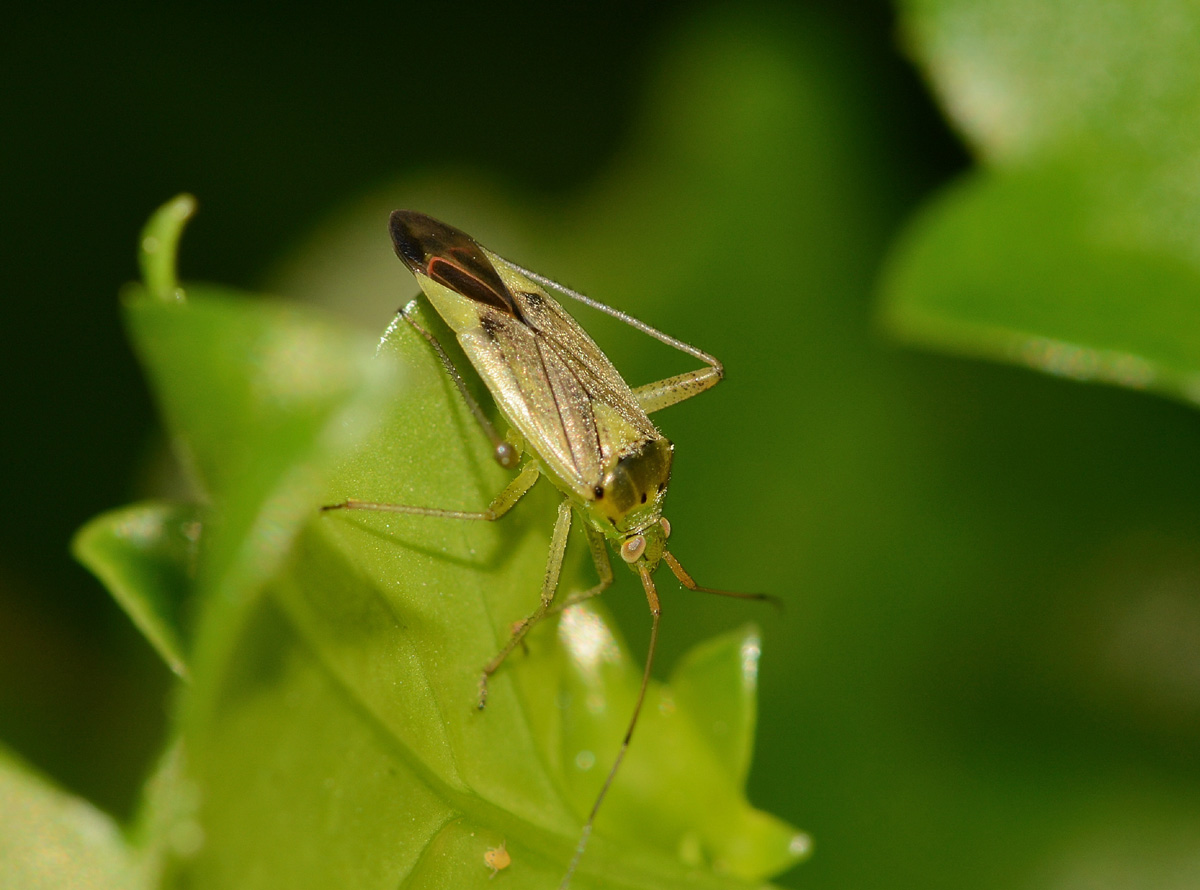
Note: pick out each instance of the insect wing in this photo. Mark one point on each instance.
(546, 374)
(450, 257)
(556, 386)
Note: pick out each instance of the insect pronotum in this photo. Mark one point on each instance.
(577, 421)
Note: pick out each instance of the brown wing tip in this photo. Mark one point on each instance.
(449, 256)
(418, 236)
(414, 233)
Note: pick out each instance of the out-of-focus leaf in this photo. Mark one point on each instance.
(254, 390)
(681, 788)
(159, 248)
(168, 830)
(51, 840)
(1074, 249)
(717, 682)
(145, 555)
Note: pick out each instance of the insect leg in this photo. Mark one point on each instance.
(603, 568)
(504, 453)
(501, 503)
(558, 545)
(663, 393)
(673, 390)
(585, 835)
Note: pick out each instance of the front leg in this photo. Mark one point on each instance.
(599, 548)
(558, 546)
(501, 503)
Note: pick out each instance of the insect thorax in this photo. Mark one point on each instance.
(629, 497)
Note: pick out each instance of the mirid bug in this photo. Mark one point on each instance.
(577, 422)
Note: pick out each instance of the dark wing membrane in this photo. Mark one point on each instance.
(450, 257)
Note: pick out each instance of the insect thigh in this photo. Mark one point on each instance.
(501, 503)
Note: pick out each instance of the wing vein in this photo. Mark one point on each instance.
(572, 365)
(537, 342)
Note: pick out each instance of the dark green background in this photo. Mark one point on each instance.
(987, 669)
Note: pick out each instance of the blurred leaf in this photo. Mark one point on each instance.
(260, 399)
(159, 247)
(51, 840)
(1074, 250)
(681, 785)
(704, 683)
(168, 830)
(145, 554)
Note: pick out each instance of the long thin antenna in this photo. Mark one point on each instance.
(617, 313)
(687, 581)
(585, 835)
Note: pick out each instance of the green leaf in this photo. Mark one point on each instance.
(370, 642)
(167, 830)
(1073, 250)
(681, 784)
(260, 397)
(329, 734)
(159, 247)
(51, 840)
(145, 555)
(718, 682)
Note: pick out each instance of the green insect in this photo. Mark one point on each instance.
(577, 421)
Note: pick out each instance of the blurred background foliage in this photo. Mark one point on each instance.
(988, 674)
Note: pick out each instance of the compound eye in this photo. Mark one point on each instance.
(633, 548)
(666, 526)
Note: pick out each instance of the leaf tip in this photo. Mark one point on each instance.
(159, 245)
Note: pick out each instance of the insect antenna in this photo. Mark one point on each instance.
(622, 316)
(585, 835)
(687, 581)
